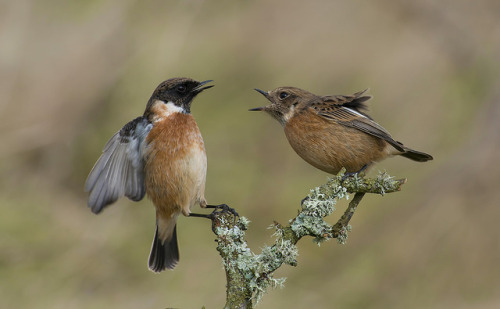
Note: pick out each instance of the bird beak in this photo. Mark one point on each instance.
(262, 107)
(199, 88)
(264, 93)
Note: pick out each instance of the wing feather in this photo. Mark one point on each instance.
(348, 111)
(120, 170)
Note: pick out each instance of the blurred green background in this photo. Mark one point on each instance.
(73, 72)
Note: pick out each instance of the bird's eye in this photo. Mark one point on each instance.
(181, 88)
(283, 95)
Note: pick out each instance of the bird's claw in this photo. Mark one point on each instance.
(303, 201)
(218, 210)
(352, 174)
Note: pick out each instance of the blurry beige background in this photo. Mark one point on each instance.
(73, 72)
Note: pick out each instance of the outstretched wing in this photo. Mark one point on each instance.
(120, 169)
(348, 111)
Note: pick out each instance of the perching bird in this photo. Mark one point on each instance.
(162, 154)
(331, 132)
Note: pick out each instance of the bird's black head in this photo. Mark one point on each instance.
(179, 92)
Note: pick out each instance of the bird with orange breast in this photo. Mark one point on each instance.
(331, 132)
(160, 153)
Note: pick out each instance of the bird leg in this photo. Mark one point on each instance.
(350, 174)
(200, 216)
(218, 210)
(223, 208)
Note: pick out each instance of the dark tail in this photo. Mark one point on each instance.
(416, 155)
(164, 255)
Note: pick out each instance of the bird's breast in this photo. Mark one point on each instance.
(329, 146)
(175, 136)
(176, 163)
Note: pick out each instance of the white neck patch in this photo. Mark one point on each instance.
(162, 110)
(289, 114)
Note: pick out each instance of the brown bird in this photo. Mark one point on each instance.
(162, 154)
(331, 132)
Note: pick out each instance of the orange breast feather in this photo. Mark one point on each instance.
(176, 165)
(329, 146)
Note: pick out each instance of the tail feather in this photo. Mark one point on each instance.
(164, 255)
(416, 155)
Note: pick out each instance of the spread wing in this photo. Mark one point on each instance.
(120, 169)
(348, 111)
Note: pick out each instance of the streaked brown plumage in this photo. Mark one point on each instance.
(331, 132)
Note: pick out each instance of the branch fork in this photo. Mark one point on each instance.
(249, 275)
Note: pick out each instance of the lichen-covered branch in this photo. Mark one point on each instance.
(249, 275)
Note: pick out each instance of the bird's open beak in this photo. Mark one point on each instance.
(199, 88)
(265, 94)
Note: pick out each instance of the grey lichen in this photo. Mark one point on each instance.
(253, 272)
(342, 234)
(250, 275)
(318, 204)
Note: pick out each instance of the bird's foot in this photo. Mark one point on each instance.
(303, 200)
(351, 174)
(221, 209)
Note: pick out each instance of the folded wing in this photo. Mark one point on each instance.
(348, 111)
